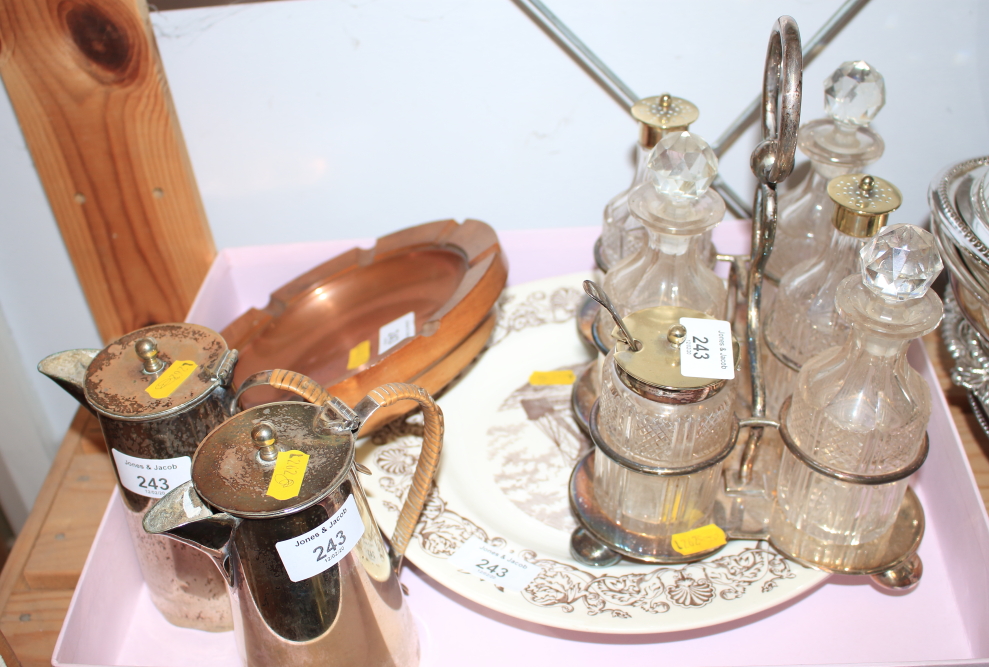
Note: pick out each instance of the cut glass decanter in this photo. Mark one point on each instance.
(841, 144)
(622, 234)
(804, 320)
(677, 209)
(860, 409)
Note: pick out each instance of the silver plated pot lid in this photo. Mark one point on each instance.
(157, 371)
(653, 370)
(272, 460)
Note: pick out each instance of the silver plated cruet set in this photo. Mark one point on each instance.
(835, 422)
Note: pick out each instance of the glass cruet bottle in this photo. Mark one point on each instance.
(658, 116)
(841, 144)
(661, 437)
(804, 319)
(677, 209)
(861, 410)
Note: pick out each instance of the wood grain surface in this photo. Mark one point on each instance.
(7, 655)
(72, 501)
(87, 85)
(37, 583)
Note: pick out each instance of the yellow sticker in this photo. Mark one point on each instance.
(359, 354)
(699, 539)
(171, 379)
(552, 377)
(286, 480)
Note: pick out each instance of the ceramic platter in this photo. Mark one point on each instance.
(506, 462)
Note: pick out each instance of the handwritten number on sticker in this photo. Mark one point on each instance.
(700, 539)
(286, 478)
(171, 379)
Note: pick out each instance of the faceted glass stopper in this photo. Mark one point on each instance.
(900, 262)
(854, 93)
(682, 166)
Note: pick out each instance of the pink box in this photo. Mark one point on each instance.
(846, 621)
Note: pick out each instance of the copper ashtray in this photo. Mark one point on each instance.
(449, 275)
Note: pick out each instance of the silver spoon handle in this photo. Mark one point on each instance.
(598, 294)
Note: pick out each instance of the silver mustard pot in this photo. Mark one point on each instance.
(276, 502)
(157, 392)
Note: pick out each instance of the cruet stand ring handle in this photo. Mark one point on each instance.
(382, 397)
(773, 159)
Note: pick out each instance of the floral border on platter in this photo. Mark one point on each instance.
(441, 531)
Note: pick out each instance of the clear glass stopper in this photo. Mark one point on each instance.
(900, 262)
(683, 166)
(854, 93)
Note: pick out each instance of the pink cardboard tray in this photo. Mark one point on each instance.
(846, 621)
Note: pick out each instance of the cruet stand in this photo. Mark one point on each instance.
(741, 510)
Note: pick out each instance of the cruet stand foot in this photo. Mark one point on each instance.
(902, 578)
(624, 542)
(893, 565)
(589, 550)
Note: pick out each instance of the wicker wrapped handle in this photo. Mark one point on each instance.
(382, 397)
(429, 456)
(290, 381)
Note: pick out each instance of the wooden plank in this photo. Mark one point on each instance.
(7, 653)
(63, 543)
(10, 577)
(89, 90)
(974, 439)
(31, 622)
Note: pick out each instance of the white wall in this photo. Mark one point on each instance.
(318, 119)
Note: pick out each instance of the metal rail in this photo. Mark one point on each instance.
(821, 39)
(624, 95)
(577, 50)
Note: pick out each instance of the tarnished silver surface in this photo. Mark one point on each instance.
(902, 543)
(620, 540)
(589, 550)
(68, 370)
(599, 295)
(772, 161)
(354, 613)
(586, 315)
(968, 350)
(117, 380)
(182, 583)
(584, 394)
(841, 475)
(231, 474)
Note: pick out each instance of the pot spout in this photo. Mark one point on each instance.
(182, 515)
(68, 370)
